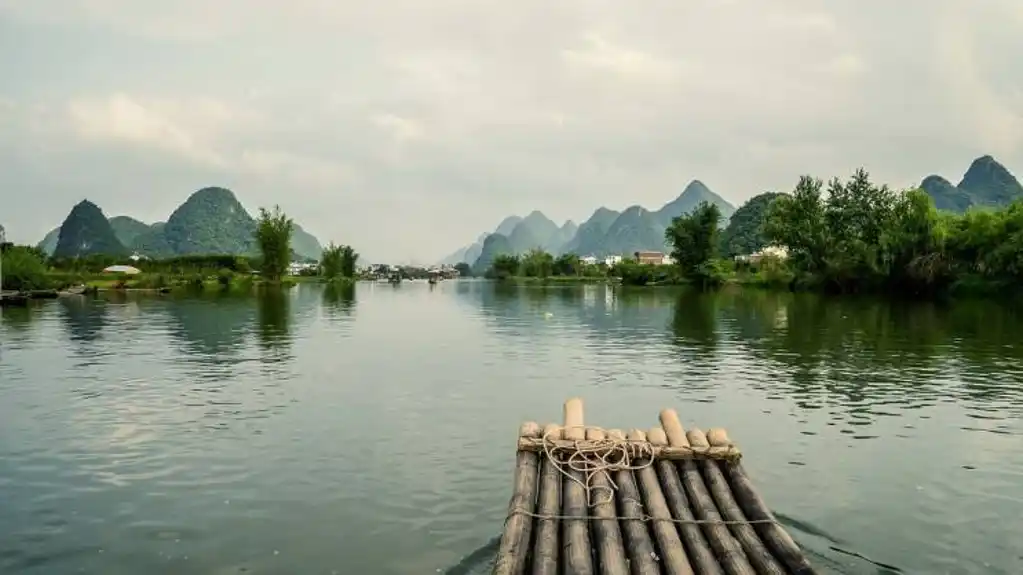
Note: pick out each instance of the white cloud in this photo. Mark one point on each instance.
(600, 54)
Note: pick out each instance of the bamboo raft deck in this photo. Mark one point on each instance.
(591, 501)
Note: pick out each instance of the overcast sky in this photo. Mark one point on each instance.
(408, 127)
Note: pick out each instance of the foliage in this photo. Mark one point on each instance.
(537, 264)
(504, 266)
(348, 260)
(86, 232)
(24, 269)
(330, 262)
(865, 237)
(694, 241)
(273, 236)
(744, 233)
(567, 265)
(464, 269)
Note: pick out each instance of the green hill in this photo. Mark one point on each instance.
(986, 183)
(210, 221)
(86, 232)
(744, 234)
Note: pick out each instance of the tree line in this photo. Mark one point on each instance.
(843, 236)
(29, 268)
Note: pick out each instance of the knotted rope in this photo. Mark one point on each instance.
(605, 456)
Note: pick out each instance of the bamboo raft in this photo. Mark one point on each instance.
(590, 501)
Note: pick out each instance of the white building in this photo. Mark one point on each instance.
(612, 260)
(589, 260)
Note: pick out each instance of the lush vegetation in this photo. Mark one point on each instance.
(24, 268)
(273, 236)
(864, 237)
(744, 233)
(338, 262)
(844, 236)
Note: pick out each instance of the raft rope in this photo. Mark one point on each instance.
(590, 457)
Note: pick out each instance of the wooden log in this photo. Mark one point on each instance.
(606, 532)
(756, 551)
(577, 552)
(699, 551)
(514, 547)
(672, 553)
(639, 545)
(720, 539)
(545, 549)
(637, 448)
(776, 538)
(574, 430)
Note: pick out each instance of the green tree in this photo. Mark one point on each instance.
(23, 268)
(348, 261)
(504, 266)
(694, 242)
(797, 223)
(273, 236)
(567, 265)
(537, 264)
(464, 270)
(744, 233)
(331, 261)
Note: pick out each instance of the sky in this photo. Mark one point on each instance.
(407, 128)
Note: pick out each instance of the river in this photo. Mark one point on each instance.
(372, 431)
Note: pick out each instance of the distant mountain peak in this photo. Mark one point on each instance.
(985, 183)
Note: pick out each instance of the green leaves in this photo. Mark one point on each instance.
(273, 236)
(694, 241)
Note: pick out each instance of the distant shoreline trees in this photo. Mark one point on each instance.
(273, 236)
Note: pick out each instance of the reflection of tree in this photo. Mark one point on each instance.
(871, 351)
(83, 318)
(274, 312)
(18, 318)
(694, 324)
(339, 299)
(211, 325)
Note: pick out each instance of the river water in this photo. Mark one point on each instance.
(372, 431)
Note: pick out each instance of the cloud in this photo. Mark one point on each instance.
(441, 119)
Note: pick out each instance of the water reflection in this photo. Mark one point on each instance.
(211, 325)
(19, 318)
(84, 319)
(339, 299)
(273, 307)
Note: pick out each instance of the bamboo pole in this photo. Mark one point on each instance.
(776, 538)
(700, 554)
(545, 550)
(637, 448)
(577, 551)
(639, 545)
(668, 542)
(728, 550)
(756, 552)
(511, 555)
(610, 549)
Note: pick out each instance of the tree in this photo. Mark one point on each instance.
(745, 234)
(330, 262)
(694, 242)
(464, 270)
(797, 223)
(537, 264)
(23, 268)
(504, 266)
(348, 260)
(273, 235)
(567, 265)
